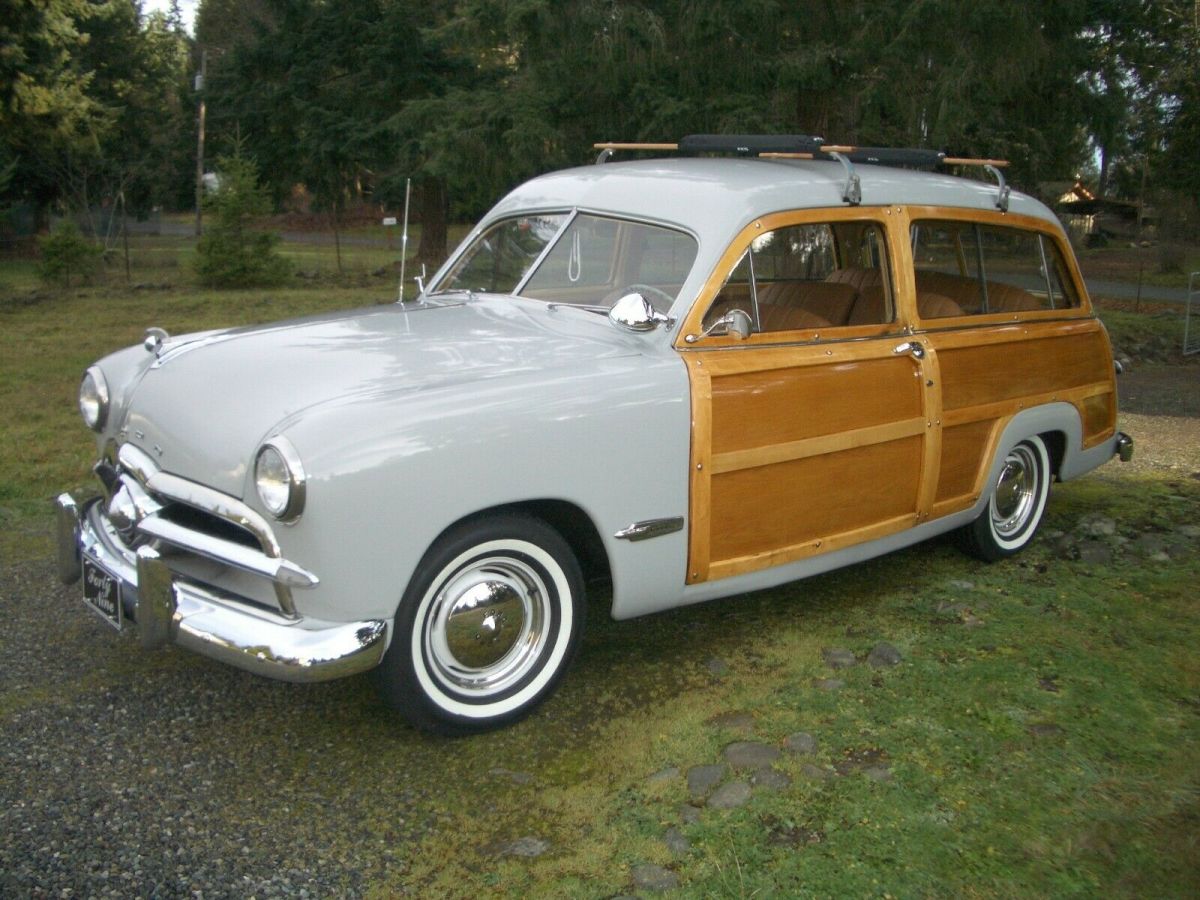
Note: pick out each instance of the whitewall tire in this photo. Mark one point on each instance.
(487, 627)
(1015, 505)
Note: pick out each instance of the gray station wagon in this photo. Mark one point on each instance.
(691, 376)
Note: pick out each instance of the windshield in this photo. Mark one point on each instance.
(592, 261)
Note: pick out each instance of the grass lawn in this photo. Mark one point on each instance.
(1038, 737)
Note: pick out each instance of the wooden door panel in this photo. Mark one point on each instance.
(809, 501)
(804, 449)
(783, 405)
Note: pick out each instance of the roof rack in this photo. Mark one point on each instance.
(805, 146)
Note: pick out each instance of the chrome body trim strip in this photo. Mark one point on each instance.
(650, 528)
(170, 609)
(272, 567)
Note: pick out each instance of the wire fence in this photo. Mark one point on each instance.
(1191, 336)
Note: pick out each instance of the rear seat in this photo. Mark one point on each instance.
(828, 301)
(870, 308)
(964, 292)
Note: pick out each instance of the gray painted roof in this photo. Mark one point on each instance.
(715, 198)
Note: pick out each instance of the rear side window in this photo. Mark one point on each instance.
(818, 275)
(966, 268)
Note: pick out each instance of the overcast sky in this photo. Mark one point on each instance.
(188, 7)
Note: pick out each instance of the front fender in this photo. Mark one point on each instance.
(388, 475)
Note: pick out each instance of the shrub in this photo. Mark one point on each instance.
(65, 253)
(230, 253)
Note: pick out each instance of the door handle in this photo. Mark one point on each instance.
(913, 348)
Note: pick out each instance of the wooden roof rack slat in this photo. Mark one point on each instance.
(804, 146)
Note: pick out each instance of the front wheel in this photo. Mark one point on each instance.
(486, 628)
(1016, 505)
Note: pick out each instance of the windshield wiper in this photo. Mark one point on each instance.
(599, 310)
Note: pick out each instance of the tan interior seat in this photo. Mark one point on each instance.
(936, 306)
(829, 301)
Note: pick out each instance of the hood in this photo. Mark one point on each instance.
(203, 408)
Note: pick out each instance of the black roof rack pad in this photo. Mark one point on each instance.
(750, 144)
(896, 156)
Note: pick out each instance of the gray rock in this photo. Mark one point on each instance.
(730, 795)
(1099, 526)
(750, 755)
(702, 779)
(829, 684)
(1190, 531)
(676, 842)
(1159, 557)
(528, 847)
(878, 773)
(649, 877)
(1095, 553)
(688, 814)
(956, 584)
(801, 743)
(1064, 547)
(717, 667)
(815, 773)
(883, 655)
(1149, 544)
(664, 775)
(838, 658)
(951, 610)
(770, 779)
(734, 721)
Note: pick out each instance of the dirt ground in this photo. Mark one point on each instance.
(1160, 409)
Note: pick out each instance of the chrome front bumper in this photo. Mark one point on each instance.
(171, 609)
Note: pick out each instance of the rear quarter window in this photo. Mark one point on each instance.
(969, 268)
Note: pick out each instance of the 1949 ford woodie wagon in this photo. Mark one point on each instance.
(692, 376)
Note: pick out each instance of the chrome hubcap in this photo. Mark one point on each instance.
(1013, 499)
(487, 627)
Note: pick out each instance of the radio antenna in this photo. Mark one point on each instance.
(404, 237)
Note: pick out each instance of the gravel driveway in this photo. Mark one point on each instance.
(161, 775)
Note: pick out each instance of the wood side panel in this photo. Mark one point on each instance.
(873, 483)
(735, 460)
(974, 376)
(700, 519)
(786, 405)
(741, 565)
(1099, 414)
(962, 458)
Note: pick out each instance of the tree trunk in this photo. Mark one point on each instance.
(432, 249)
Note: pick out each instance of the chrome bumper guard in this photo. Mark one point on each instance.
(1123, 449)
(170, 609)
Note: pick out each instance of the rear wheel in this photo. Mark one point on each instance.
(487, 627)
(1016, 504)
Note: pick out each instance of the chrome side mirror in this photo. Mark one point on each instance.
(735, 323)
(633, 312)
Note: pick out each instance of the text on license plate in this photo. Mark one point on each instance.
(102, 592)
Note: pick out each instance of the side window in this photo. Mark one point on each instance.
(825, 275)
(965, 268)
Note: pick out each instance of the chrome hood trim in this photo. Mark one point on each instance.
(204, 406)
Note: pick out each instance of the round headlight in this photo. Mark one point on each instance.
(93, 398)
(279, 478)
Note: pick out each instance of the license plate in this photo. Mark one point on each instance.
(102, 593)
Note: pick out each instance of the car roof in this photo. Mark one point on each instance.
(715, 197)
